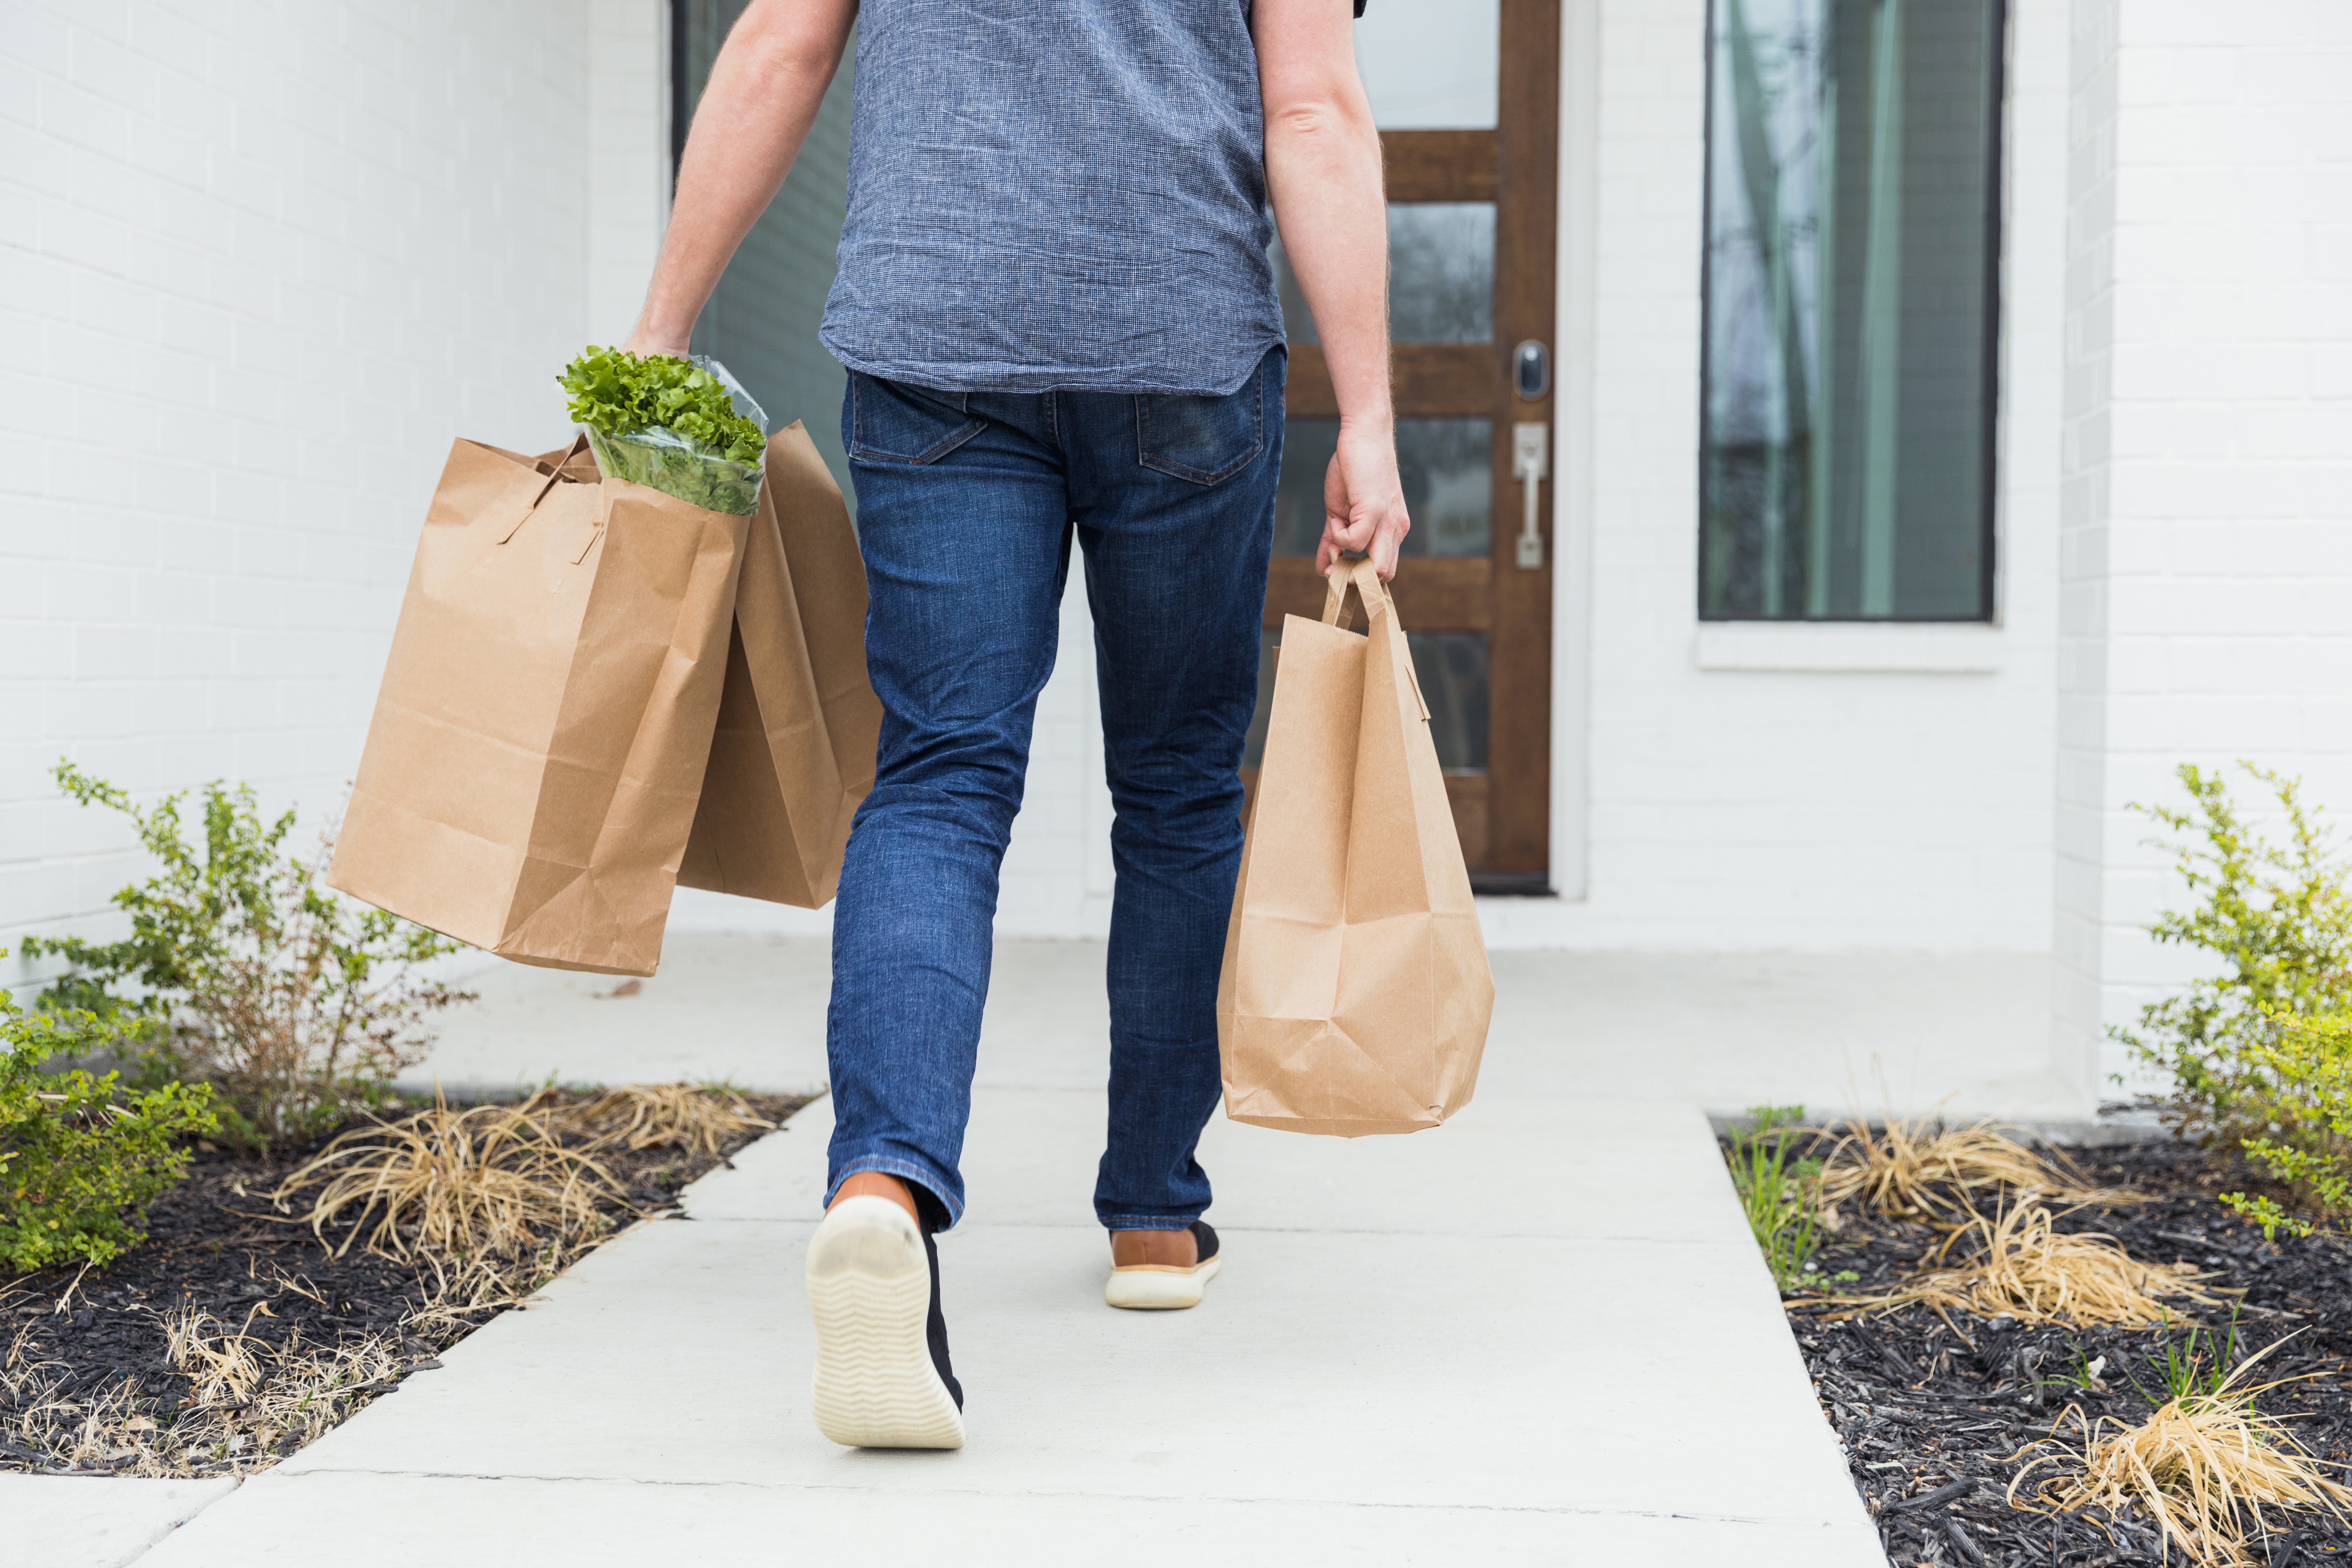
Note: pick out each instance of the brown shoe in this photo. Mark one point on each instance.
(1160, 1270)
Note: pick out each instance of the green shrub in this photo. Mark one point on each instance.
(2308, 1145)
(240, 971)
(79, 1162)
(2279, 918)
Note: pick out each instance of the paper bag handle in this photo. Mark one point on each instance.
(1360, 571)
(554, 477)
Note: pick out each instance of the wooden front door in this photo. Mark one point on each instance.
(1472, 234)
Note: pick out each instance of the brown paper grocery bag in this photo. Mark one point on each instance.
(537, 753)
(793, 754)
(1356, 992)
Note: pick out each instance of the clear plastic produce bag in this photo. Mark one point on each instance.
(679, 466)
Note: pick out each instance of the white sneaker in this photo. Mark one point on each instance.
(882, 1375)
(1163, 1286)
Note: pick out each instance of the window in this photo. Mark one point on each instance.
(1851, 250)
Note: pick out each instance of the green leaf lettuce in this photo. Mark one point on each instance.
(665, 422)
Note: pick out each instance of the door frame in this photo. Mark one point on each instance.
(1575, 423)
(1513, 803)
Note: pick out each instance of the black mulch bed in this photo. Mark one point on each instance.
(1934, 1413)
(215, 1244)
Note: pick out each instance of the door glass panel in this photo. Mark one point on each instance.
(1451, 669)
(1431, 65)
(1441, 276)
(1447, 466)
(1442, 272)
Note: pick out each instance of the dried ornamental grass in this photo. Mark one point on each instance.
(309, 1389)
(483, 1282)
(278, 1399)
(102, 1431)
(221, 1366)
(248, 1403)
(495, 1180)
(2027, 1269)
(1907, 1171)
(684, 1116)
(2204, 1466)
(23, 1381)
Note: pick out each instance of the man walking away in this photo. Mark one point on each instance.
(1058, 317)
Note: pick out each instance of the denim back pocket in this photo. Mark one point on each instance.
(1204, 440)
(894, 423)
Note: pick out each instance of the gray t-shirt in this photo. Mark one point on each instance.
(1051, 194)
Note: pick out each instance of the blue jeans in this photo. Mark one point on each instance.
(966, 505)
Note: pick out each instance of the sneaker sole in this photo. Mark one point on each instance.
(1150, 1287)
(869, 1289)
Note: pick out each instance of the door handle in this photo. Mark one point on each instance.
(1530, 465)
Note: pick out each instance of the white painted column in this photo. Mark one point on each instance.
(2207, 513)
(2083, 819)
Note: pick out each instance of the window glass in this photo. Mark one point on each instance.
(1431, 65)
(761, 320)
(1447, 466)
(1441, 276)
(1850, 309)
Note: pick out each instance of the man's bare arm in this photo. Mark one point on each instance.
(1323, 175)
(765, 88)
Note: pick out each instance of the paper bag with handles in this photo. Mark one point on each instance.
(1356, 992)
(793, 754)
(549, 723)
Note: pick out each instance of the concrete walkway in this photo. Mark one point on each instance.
(1539, 1334)
(1840, 1034)
(93, 1521)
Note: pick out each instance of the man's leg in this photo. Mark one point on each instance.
(963, 524)
(1174, 500)
(961, 520)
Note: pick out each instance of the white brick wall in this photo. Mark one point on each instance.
(1758, 808)
(2208, 449)
(257, 269)
(257, 266)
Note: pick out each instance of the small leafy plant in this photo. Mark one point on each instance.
(79, 1161)
(243, 973)
(2086, 1375)
(1777, 1191)
(2197, 1368)
(2308, 1146)
(2279, 918)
